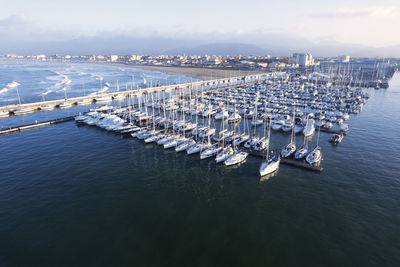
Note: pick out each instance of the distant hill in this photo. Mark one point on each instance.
(221, 49)
(275, 45)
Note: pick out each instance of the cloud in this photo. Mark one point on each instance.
(14, 20)
(377, 11)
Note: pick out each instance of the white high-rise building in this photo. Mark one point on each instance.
(303, 59)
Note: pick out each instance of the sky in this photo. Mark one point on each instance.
(367, 22)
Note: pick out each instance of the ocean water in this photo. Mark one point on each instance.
(80, 196)
(46, 80)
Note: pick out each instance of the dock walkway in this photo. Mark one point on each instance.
(288, 161)
(35, 125)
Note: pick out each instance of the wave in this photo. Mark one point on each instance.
(61, 80)
(2, 91)
(13, 84)
(105, 88)
(10, 85)
(47, 92)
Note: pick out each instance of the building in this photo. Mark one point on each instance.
(344, 58)
(303, 59)
(113, 58)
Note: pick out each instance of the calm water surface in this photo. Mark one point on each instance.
(77, 195)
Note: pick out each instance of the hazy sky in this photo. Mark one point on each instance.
(368, 22)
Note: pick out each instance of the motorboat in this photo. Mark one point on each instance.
(309, 129)
(336, 138)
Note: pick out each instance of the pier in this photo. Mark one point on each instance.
(288, 161)
(301, 164)
(216, 84)
(35, 125)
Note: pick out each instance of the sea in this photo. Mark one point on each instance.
(73, 195)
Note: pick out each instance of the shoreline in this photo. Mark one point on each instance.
(194, 72)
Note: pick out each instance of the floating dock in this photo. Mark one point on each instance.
(296, 163)
(302, 164)
(35, 125)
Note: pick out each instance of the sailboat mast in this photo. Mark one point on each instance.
(19, 99)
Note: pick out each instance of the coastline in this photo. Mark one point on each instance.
(200, 73)
(194, 72)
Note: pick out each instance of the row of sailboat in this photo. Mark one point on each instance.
(300, 109)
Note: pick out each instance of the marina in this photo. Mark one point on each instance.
(229, 121)
(218, 123)
(95, 181)
(166, 133)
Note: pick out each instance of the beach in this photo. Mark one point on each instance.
(200, 73)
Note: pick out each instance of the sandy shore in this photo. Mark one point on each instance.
(200, 73)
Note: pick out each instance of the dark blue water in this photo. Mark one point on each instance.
(73, 195)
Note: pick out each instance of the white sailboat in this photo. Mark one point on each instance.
(225, 152)
(315, 156)
(237, 156)
(291, 147)
(271, 163)
(303, 151)
(23, 110)
(65, 104)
